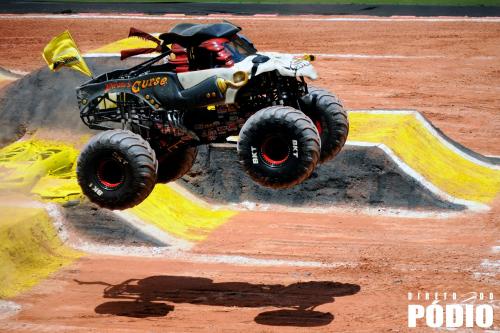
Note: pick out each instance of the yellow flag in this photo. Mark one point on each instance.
(62, 51)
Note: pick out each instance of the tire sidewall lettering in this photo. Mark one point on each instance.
(96, 189)
(255, 155)
(295, 148)
(119, 158)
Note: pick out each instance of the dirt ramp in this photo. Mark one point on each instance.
(30, 249)
(5, 74)
(101, 226)
(494, 160)
(46, 99)
(358, 176)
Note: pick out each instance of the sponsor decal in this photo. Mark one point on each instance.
(212, 135)
(139, 85)
(231, 127)
(117, 85)
(297, 64)
(451, 311)
(222, 129)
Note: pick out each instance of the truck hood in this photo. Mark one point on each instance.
(287, 65)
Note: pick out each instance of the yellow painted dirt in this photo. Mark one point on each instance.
(47, 169)
(24, 163)
(172, 212)
(30, 249)
(413, 143)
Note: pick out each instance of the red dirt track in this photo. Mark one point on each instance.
(452, 75)
(379, 261)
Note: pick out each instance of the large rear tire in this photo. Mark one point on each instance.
(175, 165)
(330, 118)
(117, 169)
(279, 147)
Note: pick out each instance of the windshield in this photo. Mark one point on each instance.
(240, 48)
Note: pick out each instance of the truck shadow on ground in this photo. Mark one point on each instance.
(142, 298)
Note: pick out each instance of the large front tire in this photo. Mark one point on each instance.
(117, 169)
(279, 147)
(330, 118)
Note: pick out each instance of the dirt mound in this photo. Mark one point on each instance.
(358, 176)
(46, 99)
(30, 249)
(487, 159)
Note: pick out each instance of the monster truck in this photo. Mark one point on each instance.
(207, 84)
